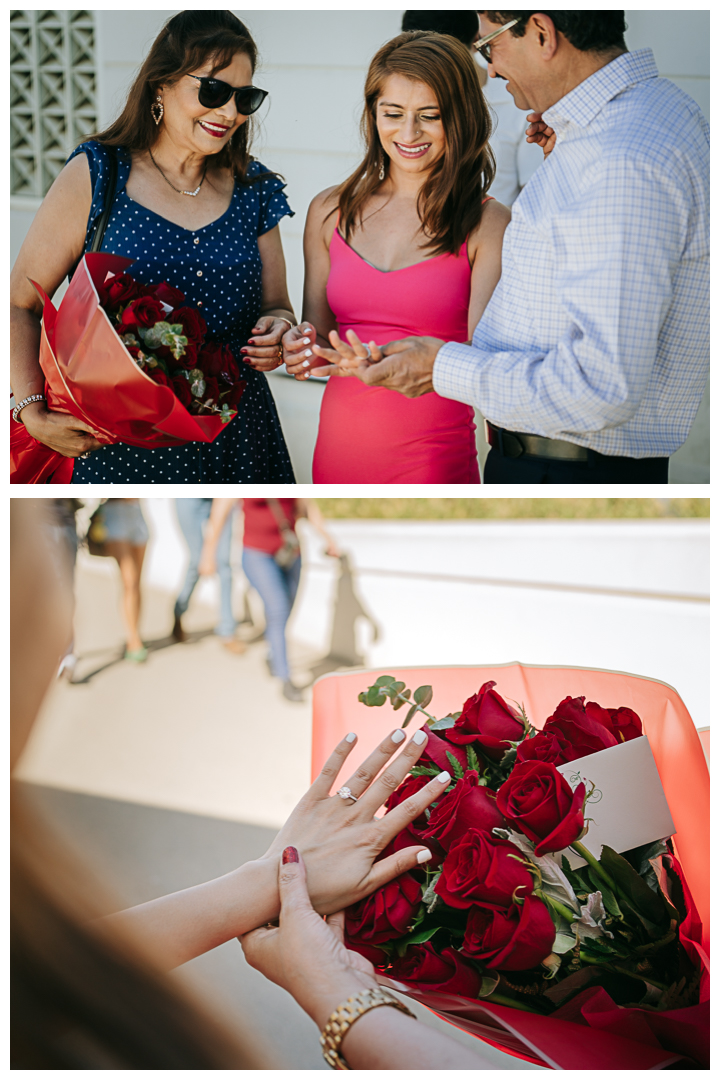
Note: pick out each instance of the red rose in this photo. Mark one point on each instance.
(480, 869)
(626, 724)
(488, 720)
(211, 358)
(145, 312)
(192, 322)
(212, 391)
(538, 801)
(513, 940)
(230, 371)
(158, 375)
(386, 914)
(446, 971)
(581, 729)
(542, 747)
(168, 294)
(467, 806)
(235, 394)
(436, 752)
(181, 389)
(119, 290)
(377, 957)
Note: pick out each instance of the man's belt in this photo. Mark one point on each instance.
(515, 444)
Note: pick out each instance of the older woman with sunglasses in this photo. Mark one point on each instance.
(193, 208)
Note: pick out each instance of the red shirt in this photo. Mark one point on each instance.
(261, 528)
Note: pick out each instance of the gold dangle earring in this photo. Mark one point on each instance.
(157, 110)
(382, 167)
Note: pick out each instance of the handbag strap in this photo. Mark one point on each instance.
(278, 513)
(109, 200)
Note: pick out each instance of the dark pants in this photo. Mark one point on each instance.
(599, 469)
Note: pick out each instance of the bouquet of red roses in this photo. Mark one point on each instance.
(514, 909)
(133, 362)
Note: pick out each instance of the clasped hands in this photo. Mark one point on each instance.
(405, 365)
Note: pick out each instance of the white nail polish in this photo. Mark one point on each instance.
(397, 736)
(306, 363)
(442, 777)
(424, 856)
(306, 341)
(350, 737)
(308, 352)
(419, 737)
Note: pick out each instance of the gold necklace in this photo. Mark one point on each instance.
(179, 190)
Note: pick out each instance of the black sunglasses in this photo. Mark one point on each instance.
(212, 93)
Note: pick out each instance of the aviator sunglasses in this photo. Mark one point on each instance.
(212, 93)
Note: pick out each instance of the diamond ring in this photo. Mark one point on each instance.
(346, 793)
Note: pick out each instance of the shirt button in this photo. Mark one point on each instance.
(199, 303)
(196, 240)
(199, 273)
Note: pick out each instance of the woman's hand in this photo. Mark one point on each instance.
(208, 563)
(60, 431)
(541, 133)
(264, 351)
(297, 351)
(305, 954)
(340, 839)
(347, 359)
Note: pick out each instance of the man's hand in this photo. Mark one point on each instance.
(541, 133)
(407, 366)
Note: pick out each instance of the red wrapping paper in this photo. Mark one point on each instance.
(591, 1031)
(90, 374)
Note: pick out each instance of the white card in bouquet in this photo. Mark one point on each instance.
(628, 807)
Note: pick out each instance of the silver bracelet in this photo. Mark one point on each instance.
(283, 319)
(26, 401)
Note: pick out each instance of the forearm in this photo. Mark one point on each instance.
(186, 924)
(26, 376)
(386, 1038)
(280, 313)
(219, 513)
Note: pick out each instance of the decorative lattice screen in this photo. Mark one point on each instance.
(53, 97)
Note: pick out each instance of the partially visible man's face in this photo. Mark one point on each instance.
(513, 59)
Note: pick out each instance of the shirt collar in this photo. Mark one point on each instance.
(585, 101)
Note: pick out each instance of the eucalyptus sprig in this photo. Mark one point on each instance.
(387, 687)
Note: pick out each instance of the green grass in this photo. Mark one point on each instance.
(513, 509)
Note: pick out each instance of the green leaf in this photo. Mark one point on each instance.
(420, 935)
(488, 984)
(445, 722)
(409, 716)
(384, 680)
(647, 903)
(609, 900)
(423, 696)
(374, 697)
(425, 770)
(455, 765)
(473, 762)
(563, 943)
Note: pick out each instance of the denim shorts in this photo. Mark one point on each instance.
(124, 521)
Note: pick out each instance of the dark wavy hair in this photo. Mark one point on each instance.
(463, 25)
(450, 203)
(588, 31)
(185, 43)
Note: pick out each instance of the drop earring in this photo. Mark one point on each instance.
(382, 169)
(157, 110)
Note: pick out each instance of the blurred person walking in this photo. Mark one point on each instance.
(272, 563)
(516, 159)
(64, 511)
(126, 536)
(192, 515)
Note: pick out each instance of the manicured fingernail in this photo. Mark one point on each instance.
(397, 736)
(442, 777)
(290, 854)
(306, 341)
(350, 737)
(424, 856)
(308, 352)
(419, 737)
(244, 349)
(306, 363)
(251, 341)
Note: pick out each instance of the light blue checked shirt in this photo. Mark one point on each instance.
(598, 331)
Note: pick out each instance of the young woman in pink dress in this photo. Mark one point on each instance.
(409, 244)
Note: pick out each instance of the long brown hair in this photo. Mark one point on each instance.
(450, 203)
(185, 43)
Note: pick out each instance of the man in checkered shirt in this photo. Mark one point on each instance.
(591, 358)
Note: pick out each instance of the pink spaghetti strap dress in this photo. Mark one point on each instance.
(371, 435)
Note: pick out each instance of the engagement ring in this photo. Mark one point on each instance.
(346, 793)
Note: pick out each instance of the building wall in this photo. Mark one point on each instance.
(314, 63)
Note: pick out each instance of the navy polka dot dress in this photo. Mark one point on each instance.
(218, 268)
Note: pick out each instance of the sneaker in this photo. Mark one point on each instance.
(177, 631)
(292, 692)
(235, 646)
(136, 656)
